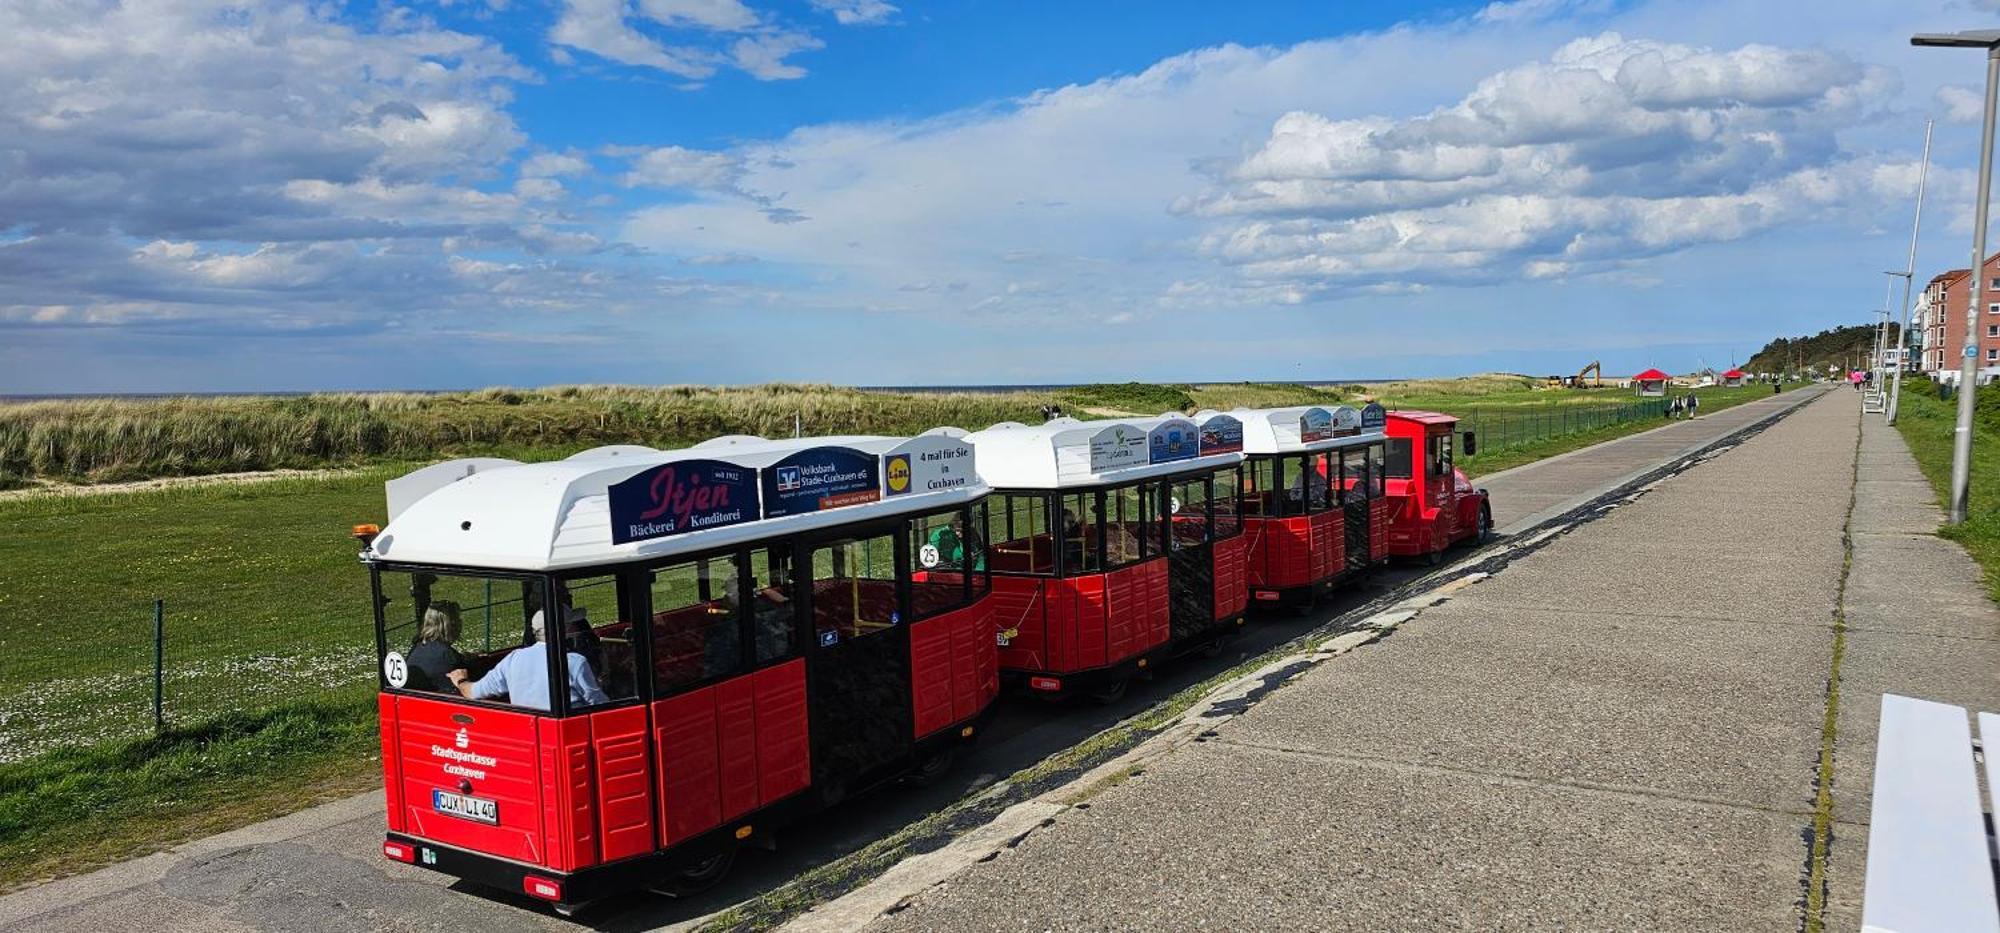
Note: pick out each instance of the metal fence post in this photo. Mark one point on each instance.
(159, 665)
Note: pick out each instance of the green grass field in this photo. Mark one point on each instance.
(1926, 422)
(269, 641)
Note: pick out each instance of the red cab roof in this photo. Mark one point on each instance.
(1422, 417)
(1651, 375)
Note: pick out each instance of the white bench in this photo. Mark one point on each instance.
(1930, 862)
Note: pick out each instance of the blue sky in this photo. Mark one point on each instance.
(221, 195)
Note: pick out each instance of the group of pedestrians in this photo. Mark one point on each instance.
(1685, 405)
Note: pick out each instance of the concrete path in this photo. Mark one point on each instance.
(1918, 623)
(1621, 730)
(321, 869)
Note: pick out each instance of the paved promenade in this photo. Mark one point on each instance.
(1618, 731)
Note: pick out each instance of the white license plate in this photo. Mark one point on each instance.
(475, 809)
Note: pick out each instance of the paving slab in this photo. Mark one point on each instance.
(1229, 837)
(1705, 710)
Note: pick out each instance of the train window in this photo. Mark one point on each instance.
(1017, 533)
(1397, 460)
(697, 625)
(1355, 481)
(1187, 510)
(1225, 506)
(1438, 456)
(982, 577)
(773, 605)
(1318, 477)
(854, 589)
(1259, 481)
(598, 635)
(1129, 536)
(949, 555)
(433, 624)
(1082, 538)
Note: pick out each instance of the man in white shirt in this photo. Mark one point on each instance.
(523, 675)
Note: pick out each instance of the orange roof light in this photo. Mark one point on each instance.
(365, 532)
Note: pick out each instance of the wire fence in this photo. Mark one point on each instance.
(1501, 428)
(153, 666)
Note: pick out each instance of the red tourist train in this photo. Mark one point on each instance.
(752, 630)
(1437, 506)
(1112, 545)
(1315, 505)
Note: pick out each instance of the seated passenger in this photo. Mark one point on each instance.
(523, 675)
(771, 614)
(957, 548)
(433, 659)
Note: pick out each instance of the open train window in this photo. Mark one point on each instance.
(1018, 539)
(434, 623)
(1226, 504)
(854, 589)
(697, 621)
(950, 557)
(599, 642)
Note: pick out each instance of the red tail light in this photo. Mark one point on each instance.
(542, 887)
(399, 852)
(1044, 683)
(1266, 595)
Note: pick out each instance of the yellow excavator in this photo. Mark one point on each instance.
(1594, 372)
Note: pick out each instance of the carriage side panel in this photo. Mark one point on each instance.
(784, 747)
(736, 731)
(684, 729)
(625, 804)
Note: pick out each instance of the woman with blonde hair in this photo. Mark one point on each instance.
(433, 659)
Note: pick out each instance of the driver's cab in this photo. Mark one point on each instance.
(1437, 505)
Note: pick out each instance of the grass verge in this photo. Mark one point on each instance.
(1927, 423)
(67, 811)
(1493, 460)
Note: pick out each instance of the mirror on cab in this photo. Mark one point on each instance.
(1468, 443)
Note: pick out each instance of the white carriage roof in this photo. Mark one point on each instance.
(1301, 428)
(1066, 452)
(505, 515)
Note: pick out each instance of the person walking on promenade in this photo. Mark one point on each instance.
(1694, 405)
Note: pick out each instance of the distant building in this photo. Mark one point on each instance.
(1927, 322)
(1946, 322)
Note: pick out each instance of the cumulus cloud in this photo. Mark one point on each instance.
(1962, 104)
(264, 166)
(706, 35)
(1613, 148)
(678, 167)
(856, 12)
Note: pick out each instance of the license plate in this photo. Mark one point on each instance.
(475, 809)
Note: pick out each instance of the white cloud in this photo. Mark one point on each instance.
(856, 12)
(676, 167)
(554, 164)
(1962, 104)
(708, 35)
(763, 57)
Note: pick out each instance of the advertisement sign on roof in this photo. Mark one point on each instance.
(1346, 421)
(820, 478)
(927, 464)
(682, 496)
(1117, 447)
(1221, 434)
(1374, 417)
(1315, 424)
(1173, 440)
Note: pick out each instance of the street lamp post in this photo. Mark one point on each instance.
(1909, 275)
(1968, 372)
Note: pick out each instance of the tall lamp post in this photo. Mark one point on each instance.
(1968, 372)
(1909, 274)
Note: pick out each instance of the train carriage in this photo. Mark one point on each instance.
(751, 630)
(1112, 544)
(1314, 506)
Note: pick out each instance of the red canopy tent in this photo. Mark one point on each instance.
(1651, 382)
(1733, 377)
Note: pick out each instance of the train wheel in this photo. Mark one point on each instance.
(932, 769)
(1485, 523)
(1215, 647)
(1110, 692)
(1433, 558)
(699, 875)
